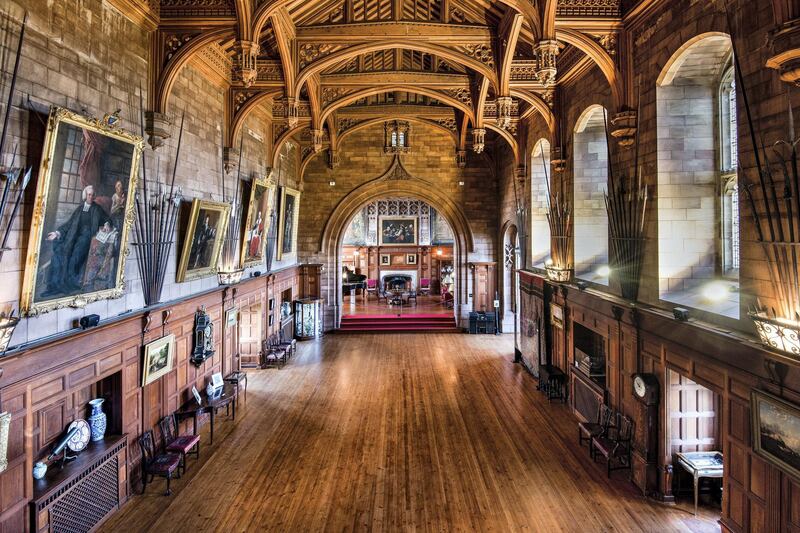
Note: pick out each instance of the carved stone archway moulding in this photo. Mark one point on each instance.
(396, 182)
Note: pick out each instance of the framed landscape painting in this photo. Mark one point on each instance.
(208, 223)
(159, 357)
(82, 213)
(288, 220)
(776, 431)
(256, 227)
(398, 230)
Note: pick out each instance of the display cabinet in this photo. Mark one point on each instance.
(308, 318)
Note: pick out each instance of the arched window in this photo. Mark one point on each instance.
(540, 229)
(590, 176)
(698, 202)
(729, 184)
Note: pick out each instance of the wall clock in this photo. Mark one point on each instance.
(203, 337)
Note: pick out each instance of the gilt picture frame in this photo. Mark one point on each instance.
(397, 231)
(159, 358)
(202, 245)
(260, 205)
(288, 220)
(776, 431)
(82, 214)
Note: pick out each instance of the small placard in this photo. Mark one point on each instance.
(216, 380)
(231, 317)
(497, 304)
(196, 395)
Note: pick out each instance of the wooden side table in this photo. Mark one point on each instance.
(700, 464)
(238, 379)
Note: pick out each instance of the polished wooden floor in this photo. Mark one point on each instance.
(399, 433)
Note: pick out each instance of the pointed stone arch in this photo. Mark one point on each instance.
(395, 181)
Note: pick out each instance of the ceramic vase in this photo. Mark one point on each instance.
(97, 420)
(39, 470)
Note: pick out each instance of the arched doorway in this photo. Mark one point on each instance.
(397, 259)
(393, 183)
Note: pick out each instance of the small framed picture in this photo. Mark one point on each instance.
(411, 259)
(231, 317)
(271, 304)
(271, 320)
(196, 395)
(216, 380)
(386, 259)
(158, 358)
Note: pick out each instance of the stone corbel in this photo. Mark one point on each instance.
(247, 56)
(292, 112)
(230, 159)
(478, 139)
(333, 158)
(316, 139)
(545, 53)
(157, 126)
(623, 128)
(461, 158)
(504, 107)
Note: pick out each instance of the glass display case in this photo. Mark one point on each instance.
(308, 320)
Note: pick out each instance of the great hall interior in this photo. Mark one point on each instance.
(399, 265)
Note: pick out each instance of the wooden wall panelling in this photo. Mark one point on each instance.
(47, 385)
(484, 285)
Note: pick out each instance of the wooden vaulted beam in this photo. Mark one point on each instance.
(332, 59)
(548, 15)
(397, 29)
(268, 7)
(397, 77)
(508, 36)
(350, 98)
(313, 87)
(480, 102)
(236, 119)
(537, 105)
(285, 34)
(599, 55)
(244, 19)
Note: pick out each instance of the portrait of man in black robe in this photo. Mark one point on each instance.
(71, 243)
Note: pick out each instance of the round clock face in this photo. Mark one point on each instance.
(80, 439)
(639, 388)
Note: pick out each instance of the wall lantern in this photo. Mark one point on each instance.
(778, 333)
(230, 277)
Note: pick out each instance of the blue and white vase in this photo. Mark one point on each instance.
(97, 420)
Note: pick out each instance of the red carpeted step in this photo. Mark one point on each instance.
(404, 323)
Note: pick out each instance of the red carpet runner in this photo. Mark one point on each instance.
(402, 324)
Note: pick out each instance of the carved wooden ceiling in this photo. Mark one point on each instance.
(316, 65)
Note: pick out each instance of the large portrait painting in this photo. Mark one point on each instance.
(287, 229)
(776, 431)
(205, 233)
(159, 356)
(256, 228)
(398, 230)
(82, 215)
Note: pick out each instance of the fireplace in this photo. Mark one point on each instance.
(398, 279)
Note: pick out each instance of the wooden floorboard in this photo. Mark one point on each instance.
(377, 432)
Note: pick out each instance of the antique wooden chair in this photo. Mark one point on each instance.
(425, 286)
(615, 447)
(157, 464)
(176, 443)
(372, 287)
(596, 428)
(412, 295)
(273, 354)
(290, 345)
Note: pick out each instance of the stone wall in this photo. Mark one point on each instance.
(362, 160)
(93, 72)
